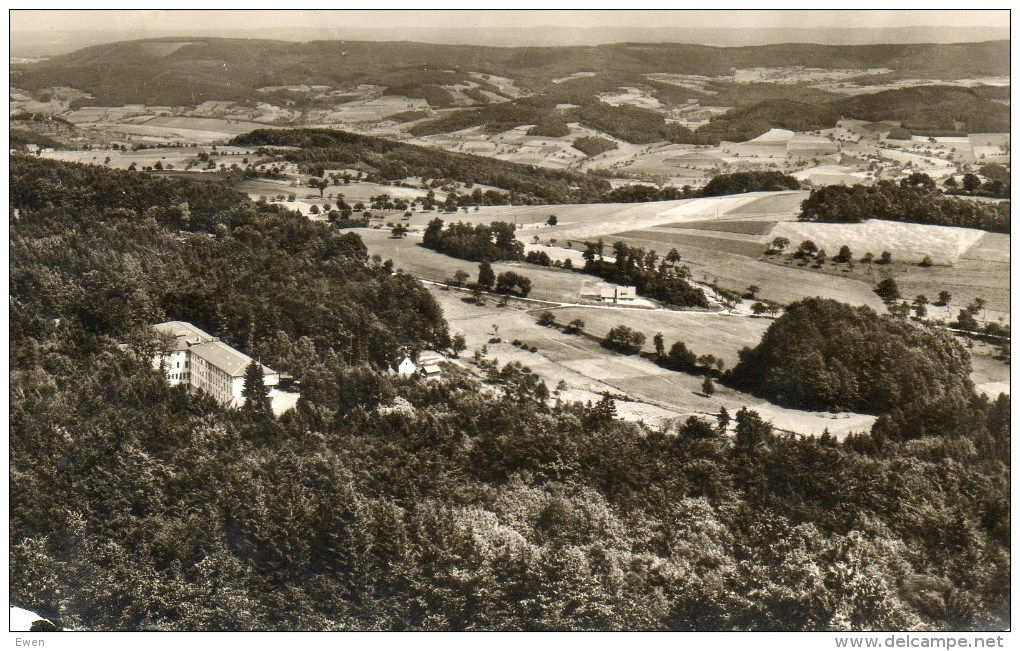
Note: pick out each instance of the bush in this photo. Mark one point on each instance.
(546, 319)
(624, 340)
(575, 327)
(888, 290)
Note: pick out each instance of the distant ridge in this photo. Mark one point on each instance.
(49, 43)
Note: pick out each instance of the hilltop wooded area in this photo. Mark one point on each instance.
(382, 503)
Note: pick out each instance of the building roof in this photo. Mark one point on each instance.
(212, 350)
(186, 334)
(230, 361)
(432, 369)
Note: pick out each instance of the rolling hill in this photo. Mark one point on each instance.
(180, 71)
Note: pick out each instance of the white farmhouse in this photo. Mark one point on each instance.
(406, 368)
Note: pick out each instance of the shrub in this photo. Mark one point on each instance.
(624, 340)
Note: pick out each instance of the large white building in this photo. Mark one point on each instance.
(204, 363)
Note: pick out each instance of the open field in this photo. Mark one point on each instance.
(586, 369)
(742, 227)
(910, 242)
(731, 260)
(982, 271)
(656, 395)
(705, 333)
(781, 284)
(780, 204)
(178, 157)
(665, 238)
(548, 284)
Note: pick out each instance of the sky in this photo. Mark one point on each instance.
(184, 21)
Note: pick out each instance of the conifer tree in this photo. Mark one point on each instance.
(255, 392)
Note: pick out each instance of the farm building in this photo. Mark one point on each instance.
(204, 363)
(609, 293)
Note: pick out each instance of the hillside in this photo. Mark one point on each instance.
(178, 71)
(331, 149)
(385, 503)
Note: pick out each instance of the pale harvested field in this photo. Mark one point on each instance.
(588, 221)
(233, 127)
(981, 272)
(909, 242)
(176, 156)
(373, 109)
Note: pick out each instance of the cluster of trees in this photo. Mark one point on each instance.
(681, 358)
(479, 242)
(477, 197)
(934, 110)
(809, 252)
(642, 193)
(651, 276)
(511, 282)
(916, 202)
(754, 181)
(825, 355)
(393, 504)
(593, 145)
(624, 339)
(997, 186)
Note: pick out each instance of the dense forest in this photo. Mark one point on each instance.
(388, 504)
(915, 199)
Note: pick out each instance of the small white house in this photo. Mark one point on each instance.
(406, 368)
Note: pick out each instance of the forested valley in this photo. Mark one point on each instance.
(382, 503)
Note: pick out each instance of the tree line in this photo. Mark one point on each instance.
(912, 200)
